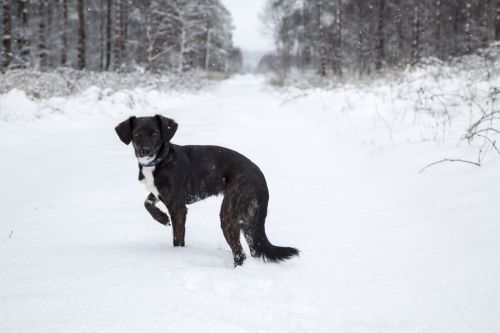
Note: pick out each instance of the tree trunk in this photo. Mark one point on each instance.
(182, 48)
(118, 34)
(22, 40)
(468, 33)
(380, 48)
(125, 28)
(121, 33)
(49, 30)
(108, 34)
(64, 51)
(337, 67)
(101, 38)
(497, 20)
(485, 14)
(401, 55)
(149, 49)
(437, 26)
(361, 37)
(416, 35)
(7, 34)
(322, 51)
(207, 50)
(42, 34)
(81, 35)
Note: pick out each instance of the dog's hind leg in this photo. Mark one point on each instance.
(248, 221)
(231, 229)
(155, 212)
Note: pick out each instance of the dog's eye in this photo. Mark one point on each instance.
(136, 134)
(154, 134)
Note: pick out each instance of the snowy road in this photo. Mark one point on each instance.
(383, 248)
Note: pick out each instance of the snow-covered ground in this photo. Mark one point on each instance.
(384, 248)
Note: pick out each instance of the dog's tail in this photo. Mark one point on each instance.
(269, 252)
(261, 246)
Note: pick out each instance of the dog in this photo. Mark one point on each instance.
(181, 175)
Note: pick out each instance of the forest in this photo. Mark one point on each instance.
(362, 36)
(328, 37)
(117, 35)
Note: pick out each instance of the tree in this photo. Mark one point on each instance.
(108, 34)
(321, 41)
(119, 33)
(159, 34)
(7, 34)
(468, 24)
(415, 55)
(102, 38)
(378, 33)
(235, 61)
(337, 64)
(484, 18)
(497, 20)
(22, 37)
(437, 27)
(42, 33)
(64, 49)
(81, 34)
(380, 48)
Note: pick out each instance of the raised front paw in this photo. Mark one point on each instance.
(164, 219)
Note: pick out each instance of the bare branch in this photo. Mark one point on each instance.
(449, 160)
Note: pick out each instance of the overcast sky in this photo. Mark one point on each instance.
(248, 33)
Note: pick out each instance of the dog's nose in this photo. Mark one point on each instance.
(145, 151)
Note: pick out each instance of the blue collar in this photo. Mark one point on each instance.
(157, 160)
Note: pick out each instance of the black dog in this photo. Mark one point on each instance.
(180, 175)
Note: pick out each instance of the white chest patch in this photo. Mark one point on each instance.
(149, 180)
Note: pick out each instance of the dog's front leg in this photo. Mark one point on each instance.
(155, 212)
(178, 214)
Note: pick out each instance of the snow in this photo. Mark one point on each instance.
(384, 248)
(327, 19)
(15, 105)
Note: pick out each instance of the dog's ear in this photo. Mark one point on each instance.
(124, 130)
(168, 127)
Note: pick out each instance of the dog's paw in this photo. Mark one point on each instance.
(239, 259)
(164, 219)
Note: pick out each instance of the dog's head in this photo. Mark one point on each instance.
(149, 135)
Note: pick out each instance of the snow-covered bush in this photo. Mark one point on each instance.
(66, 81)
(432, 93)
